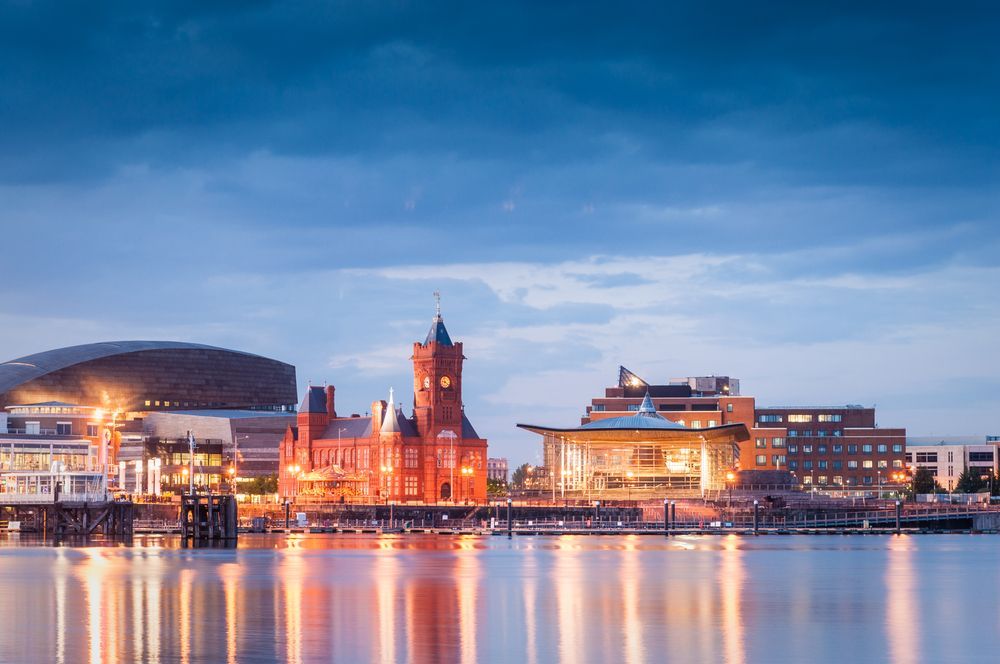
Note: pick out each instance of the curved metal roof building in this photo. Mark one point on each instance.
(149, 375)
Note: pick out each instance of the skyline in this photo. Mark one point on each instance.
(809, 205)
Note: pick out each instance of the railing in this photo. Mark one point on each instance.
(42, 498)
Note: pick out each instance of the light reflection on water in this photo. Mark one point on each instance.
(531, 599)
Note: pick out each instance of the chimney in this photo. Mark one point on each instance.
(378, 410)
(331, 410)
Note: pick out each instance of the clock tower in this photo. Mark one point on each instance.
(437, 381)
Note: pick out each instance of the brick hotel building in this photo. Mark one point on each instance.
(825, 446)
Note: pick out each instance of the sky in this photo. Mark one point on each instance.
(804, 198)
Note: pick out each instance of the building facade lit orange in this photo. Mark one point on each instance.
(433, 456)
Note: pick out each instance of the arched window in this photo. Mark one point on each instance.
(446, 491)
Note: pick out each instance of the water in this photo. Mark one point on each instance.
(344, 598)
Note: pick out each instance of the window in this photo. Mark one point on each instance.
(410, 457)
(838, 449)
(92, 430)
(792, 433)
(897, 463)
(64, 428)
(882, 449)
(598, 407)
(821, 449)
(852, 463)
(838, 432)
(793, 449)
(761, 459)
(825, 417)
(769, 418)
(883, 463)
(950, 455)
(729, 407)
(695, 424)
(822, 432)
(800, 417)
(927, 457)
(866, 449)
(807, 449)
(793, 465)
(807, 480)
(868, 479)
(148, 402)
(33, 428)
(821, 479)
(897, 448)
(760, 443)
(867, 463)
(807, 465)
(822, 464)
(410, 485)
(980, 456)
(838, 464)
(633, 407)
(779, 459)
(838, 480)
(777, 442)
(712, 423)
(852, 449)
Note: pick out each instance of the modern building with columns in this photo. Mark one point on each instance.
(433, 456)
(639, 455)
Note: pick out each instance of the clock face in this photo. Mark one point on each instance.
(427, 382)
(445, 382)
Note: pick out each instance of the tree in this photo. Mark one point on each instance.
(261, 485)
(520, 475)
(924, 482)
(495, 487)
(969, 482)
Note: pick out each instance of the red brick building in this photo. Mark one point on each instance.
(433, 456)
(826, 446)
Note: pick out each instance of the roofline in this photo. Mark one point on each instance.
(721, 427)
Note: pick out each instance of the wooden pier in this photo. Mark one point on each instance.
(65, 519)
(208, 518)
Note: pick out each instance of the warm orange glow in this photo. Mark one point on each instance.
(232, 471)
(99, 414)
(730, 476)
(184, 471)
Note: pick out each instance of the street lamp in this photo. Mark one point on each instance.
(387, 470)
(730, 476)
(232, 478)
(628, 485)
(467, 471)
(294, 470)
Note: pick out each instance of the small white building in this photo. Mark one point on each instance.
(949, 457)
(496, 469)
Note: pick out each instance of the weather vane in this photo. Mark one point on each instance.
(437, 302)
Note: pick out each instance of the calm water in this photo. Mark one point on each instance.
(531, 599)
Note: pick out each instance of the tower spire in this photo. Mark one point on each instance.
(437, 305)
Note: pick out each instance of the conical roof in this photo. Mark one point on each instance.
(438, 333)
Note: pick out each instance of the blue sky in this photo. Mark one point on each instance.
(804, 198)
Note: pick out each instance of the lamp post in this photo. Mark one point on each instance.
(628, 485)
(730, 476)
(467, 473)
(387, 479)
(191, 463)
(294, 471)
(232, 478)
(340, 460)
(878, 478)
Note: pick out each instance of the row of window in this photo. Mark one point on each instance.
(866, 448)
(802, 417)
(781, 461)
(838, 480)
